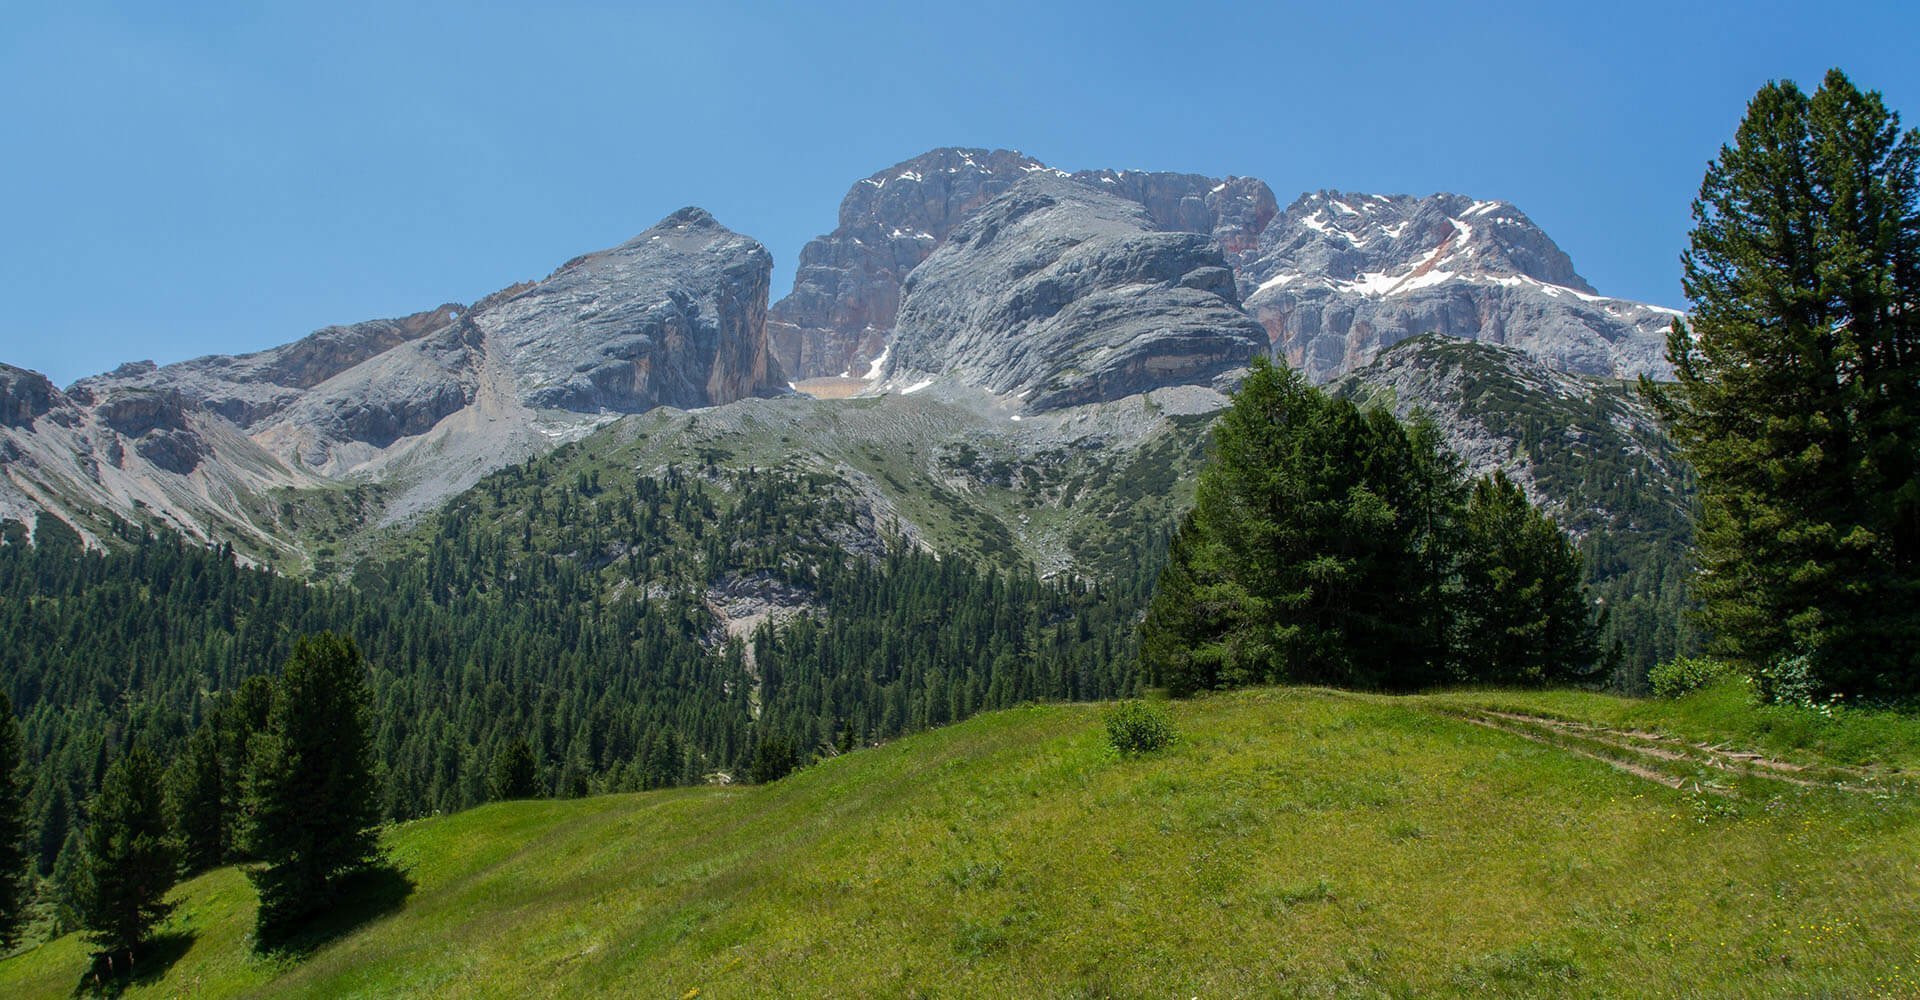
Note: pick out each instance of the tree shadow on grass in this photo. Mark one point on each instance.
(111, 977)
(358, 898)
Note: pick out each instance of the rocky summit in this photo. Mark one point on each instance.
(1340, 276)
(1060, 294)
(675, 316)
(847, 289)
(846, 293)
(1333, 279)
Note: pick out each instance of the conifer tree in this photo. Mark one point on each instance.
(13, 827)
(127, 860)
(198, 800)
(312, 799)
(514, 774)
(1329, 544)
(241, 716)
(1522, 615)
(1798, 389)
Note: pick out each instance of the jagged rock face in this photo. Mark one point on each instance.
(673, 317)
(401, 392)
(426, 404)
(846, 294)
(249, 389)
(1061, 294)
(1339, 277)
(847, 289)
(1234, 211)
(134, 412)
(25, 396)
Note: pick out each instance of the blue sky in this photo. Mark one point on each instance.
(186, 178)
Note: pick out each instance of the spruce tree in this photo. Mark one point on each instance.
(1523, 616)
(127, 860)
(1312, 553)
(1798, 390)
(13, 827)
(198, 801)
(242, 716)
(1329, 544)
(312, 799)
(514, 773)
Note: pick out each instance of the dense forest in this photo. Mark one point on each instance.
(580, 628)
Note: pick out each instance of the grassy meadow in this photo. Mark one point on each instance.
(1293, 842)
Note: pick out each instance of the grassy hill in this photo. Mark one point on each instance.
(1295, 842)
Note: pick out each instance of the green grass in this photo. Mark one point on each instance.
(1292, 842)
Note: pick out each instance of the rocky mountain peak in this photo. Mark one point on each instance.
(847, 287)
(846, 294)
(1058, 293)
(1384, 243)
(1339, 276)
(25, 396)
(674, 316)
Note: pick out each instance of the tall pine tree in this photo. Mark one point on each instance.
(1523, 617)
(312, 799)
(127, 861)
(1798, 389)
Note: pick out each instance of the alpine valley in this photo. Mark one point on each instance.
(669, 532)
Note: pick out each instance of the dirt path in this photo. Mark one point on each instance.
(1669, 760)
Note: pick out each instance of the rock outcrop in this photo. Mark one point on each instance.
(25, 396)
(1060, 294)
(1234, 211)
(426, 403)
(675, 316)
(847, 288)
(1339, 277)
(846, 293)
(248, 389)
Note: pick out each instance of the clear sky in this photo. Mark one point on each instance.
(185, 178)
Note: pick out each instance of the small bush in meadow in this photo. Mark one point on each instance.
(1137, 727)
(1684, 675)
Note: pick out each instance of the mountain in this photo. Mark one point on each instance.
(1048, 358)
(846, 293)
(1059, 294)
(1337, 277)
(1333, 279)
(424, 405)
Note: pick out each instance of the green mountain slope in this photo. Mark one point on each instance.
(1294, 842)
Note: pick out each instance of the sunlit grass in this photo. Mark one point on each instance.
(1292, 842)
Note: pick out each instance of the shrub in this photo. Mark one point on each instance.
(1686, 674)
(1136, 727)
(1791, 680)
